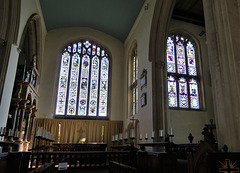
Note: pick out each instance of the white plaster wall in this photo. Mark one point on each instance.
(141, 33)
(184, 122)
(56, 41)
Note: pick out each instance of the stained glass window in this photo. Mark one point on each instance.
(133, 76)
(183, 79)
(83, 81)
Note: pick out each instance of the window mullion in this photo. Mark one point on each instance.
(69, 80)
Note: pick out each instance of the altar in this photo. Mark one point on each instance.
(79, 146)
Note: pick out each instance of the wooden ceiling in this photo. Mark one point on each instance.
(189, 11)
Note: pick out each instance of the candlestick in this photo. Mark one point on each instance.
(153, 134)
(102, 134)
(161, 133)
(59, 132)
(116, 137)
(140, 136)
(10, 132)
(113, 138)
(132, 133)
(146, 137)
(102, 131)
(171, 131)
(120, 136)
(126, 135)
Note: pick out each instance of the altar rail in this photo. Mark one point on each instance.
(79, 159)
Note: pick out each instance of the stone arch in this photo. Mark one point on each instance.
(31, 41)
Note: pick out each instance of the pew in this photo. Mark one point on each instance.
(156, 162)
(16, 162)
(116, 167)
(45, 168)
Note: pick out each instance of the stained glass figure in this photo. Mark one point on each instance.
(103, 101)
(172, 92)
(194, 98)
(79, 47)
(69, 48)
(170, 56)
(183, 94)
(83, 81)
(62, 84)
(74, 47)
(93, 49)
(191, 59)
(94, 87)
(73, 85)
(181, 64)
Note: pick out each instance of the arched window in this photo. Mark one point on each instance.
(83, 81)
(133, 76)
(182, 69)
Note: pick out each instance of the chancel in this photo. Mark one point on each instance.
(120, 86)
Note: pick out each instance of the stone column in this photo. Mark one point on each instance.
(157, 50)
(222, 20)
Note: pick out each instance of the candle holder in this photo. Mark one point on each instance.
(171, 137)
(16, 135)
(146, 138)
(125, 140)
(10, 136)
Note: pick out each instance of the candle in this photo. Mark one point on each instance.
(120, 136)
(59, 129)
(116, 137)
(59, 132)
(171, 131)
(10, 132)
(132, 133)
(153, 134)
(112, 138)
(146, 136)
(161, 133)
(140, 136)
(102, 131)
(126, 135)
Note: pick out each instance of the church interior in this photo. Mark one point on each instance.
(120, 86)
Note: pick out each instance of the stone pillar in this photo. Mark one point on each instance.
(222, 20)
(157, 50)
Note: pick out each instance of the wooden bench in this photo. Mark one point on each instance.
(116, 167)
